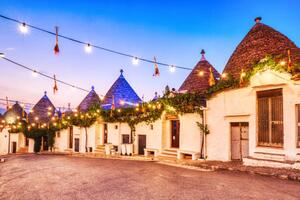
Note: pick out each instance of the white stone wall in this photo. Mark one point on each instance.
(239, 105)
(190, 134)
(4, 141)
(153, 136)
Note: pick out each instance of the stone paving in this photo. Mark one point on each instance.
(68, 177)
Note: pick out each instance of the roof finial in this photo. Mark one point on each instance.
(202, 55)
(45, 93)
(257, 19)
(121, 71)
(69, 106)
(93, 88)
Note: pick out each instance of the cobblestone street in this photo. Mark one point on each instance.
(65, 177)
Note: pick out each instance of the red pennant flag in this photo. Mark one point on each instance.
(55, 88)
(290, 67)
(156, 70)
(113, 103)
(211, 78)
(56, 48)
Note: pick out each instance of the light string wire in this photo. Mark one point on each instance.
(44, 75)
(95, 46)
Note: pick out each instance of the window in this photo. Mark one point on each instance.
(71, 137)
(116, 126)
(151, 127)
(125, 139)
(298, 124)
(270, 118)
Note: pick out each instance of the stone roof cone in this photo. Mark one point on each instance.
(91, 99)
(41, 110)
(260, 41)
(123, 94)
(198, 79)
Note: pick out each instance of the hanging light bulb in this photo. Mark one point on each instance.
(2, 55)
(88, 48)
(172, 68)
(23, 28)
(34, 73)
(201, 73)
(135, 61)
(224, 75)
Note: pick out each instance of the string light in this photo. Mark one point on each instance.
(23, 28)
(224, 75)
(2, 55)
(282, 63)
(95, 46)
(201, 73)
(172, 68)
(122, 102)
(88, 48)
(135, 61)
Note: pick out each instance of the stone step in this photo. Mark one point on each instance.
(269, 156)
(23, 150)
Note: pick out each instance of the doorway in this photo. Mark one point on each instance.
(14, 147)
(175, 127)
(239, 140)
(142, 144)
(105, 134)
(76, 145)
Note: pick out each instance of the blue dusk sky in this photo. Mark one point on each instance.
(173, 31)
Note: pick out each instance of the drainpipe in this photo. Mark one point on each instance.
(204, 134)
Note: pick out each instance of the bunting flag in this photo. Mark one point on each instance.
(242, 76)
(156, 70)
(290, 67)
(211, 80)
(56, 48)
(112, 105)
(55, 88)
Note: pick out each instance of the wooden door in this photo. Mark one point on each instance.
(142, 144)
(105, 134)
(76, 144)
(239, 140)
(175, 127)
(14, 147)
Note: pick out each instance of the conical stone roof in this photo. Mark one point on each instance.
(43, 109)
(123, 94)
(260, 41)
(91, 99)
(198, 79)
(15, 111)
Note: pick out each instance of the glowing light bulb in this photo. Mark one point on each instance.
(34, 73)
(135, 61)
(2, 55)
(36, 118)
(101, 98)
(88, 48)
(172, 68)
(201, 73)
(282, 63)
(122, 102)
(23, 28)
(243, 74)
(224, 75)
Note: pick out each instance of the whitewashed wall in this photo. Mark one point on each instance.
(190, 135)
(4, 141)
(153, 136)
(239, 105)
